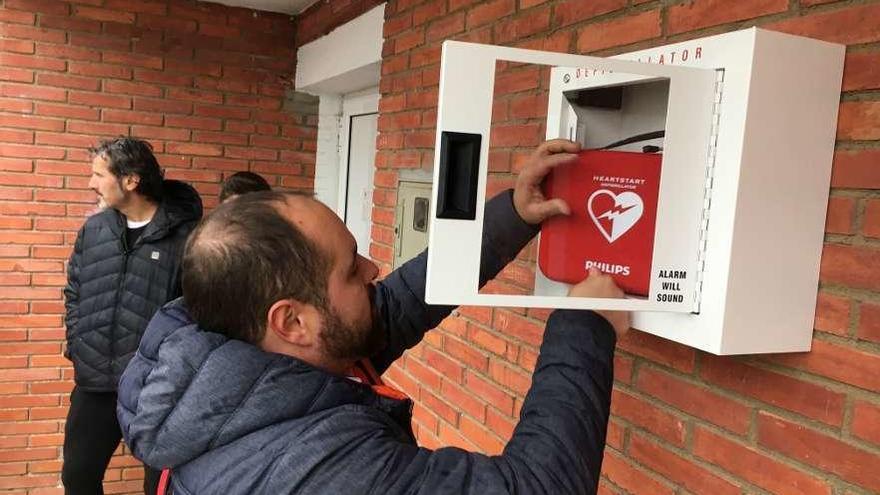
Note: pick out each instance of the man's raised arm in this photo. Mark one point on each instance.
(511, 220)
(558, 444)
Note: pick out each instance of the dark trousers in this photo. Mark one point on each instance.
(91, 435)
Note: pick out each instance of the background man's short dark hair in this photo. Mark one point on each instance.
(242, 258)
(131, 156)
(242, 183)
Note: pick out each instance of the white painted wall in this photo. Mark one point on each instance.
(327, 156)
(342, 60)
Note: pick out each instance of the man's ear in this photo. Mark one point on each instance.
(130, 182)
(294, 322)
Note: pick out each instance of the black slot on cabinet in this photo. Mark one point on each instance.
(459, 172)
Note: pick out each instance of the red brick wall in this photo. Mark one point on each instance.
(683, 420)
(326, 15)
(204, 83)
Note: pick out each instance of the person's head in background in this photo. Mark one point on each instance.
(125, 173)
(241, 183)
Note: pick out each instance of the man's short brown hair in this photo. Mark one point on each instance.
(242, 183)
(245, 256)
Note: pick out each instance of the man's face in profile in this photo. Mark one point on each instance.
(350, 330)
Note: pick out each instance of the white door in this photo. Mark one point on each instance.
(357, 155)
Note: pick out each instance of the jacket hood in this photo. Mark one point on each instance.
(181, 202)
(188, 391)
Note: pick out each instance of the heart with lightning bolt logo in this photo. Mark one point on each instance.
(614, 214)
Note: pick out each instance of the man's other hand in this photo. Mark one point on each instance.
(528, 198)
(599, 284)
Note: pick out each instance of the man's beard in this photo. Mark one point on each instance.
(351, 342)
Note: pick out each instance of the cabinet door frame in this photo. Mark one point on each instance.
(465, 108)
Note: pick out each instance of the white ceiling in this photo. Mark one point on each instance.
(282, 6)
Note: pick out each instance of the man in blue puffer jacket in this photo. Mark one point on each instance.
(247, 385)
(125, 265)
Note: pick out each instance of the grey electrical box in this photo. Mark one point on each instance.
(411, 222)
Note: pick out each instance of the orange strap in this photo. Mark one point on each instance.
(164, 480)
(364, 371)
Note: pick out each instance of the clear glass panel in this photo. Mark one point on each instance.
(612, 188)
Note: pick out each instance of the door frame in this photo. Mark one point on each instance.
(356, 104)
(347, 61)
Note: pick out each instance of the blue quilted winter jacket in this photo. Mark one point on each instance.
(230, 418)
(113, 290)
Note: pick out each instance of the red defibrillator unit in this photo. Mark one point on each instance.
(613, 200)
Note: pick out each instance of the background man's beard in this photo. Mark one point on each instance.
(99, 207)
(351, 342)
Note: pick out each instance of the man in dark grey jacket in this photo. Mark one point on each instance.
(263, 378)
(125, 265)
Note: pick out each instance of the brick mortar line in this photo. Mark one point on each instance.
(792, 12)
(664, 406)
(850, 391)
(439, 393)
(754, 404)
(499, 335)
(685, 455)
(417, 399)
(869, 145)
(855, 317)
(861, 95)
(440, 396)
(776, 456)
(132, 51)
(718, 470)
(656, 402)
(164, 56)
(836, 5)
(672, 485)
(507, 337)
(815, 379)
(869, 47)
(859, 214)
(856, 296)
(855, 240)
(845, 192)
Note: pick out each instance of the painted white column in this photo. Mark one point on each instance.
(327, 155)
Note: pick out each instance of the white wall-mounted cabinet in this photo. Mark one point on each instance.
(741, 176)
